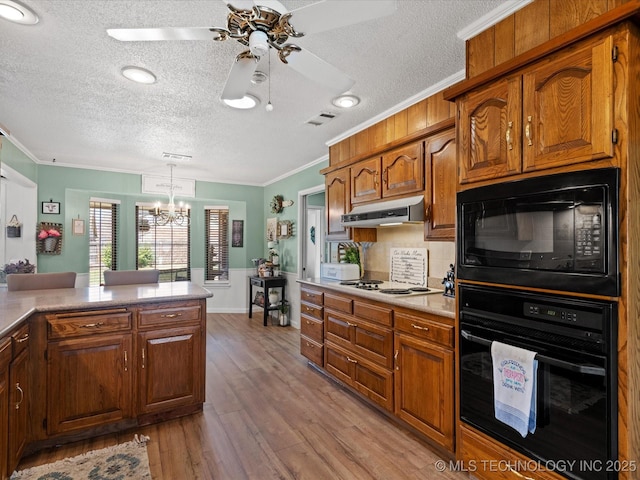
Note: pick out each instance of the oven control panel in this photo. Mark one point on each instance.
(562, 315)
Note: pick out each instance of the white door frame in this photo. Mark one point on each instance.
(302, 215)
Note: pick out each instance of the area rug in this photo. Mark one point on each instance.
(126, 461)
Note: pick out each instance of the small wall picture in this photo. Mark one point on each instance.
(51, 208)
(237, 233)
(78, 227)
(272, 229)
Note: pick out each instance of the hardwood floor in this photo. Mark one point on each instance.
(269, 415)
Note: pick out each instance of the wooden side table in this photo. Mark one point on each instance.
(266, 283)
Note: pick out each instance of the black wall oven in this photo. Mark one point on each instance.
(557, 232)
(575, 342)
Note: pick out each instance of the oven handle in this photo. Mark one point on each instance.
(574, 367)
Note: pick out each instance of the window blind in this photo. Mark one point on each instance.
(163, 247)
(103, 251)
(217, 243)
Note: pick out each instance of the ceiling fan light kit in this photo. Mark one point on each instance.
(264, 24)
(346, 101)
(17, 12)
(245, 103)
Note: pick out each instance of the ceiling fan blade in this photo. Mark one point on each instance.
(323, 16)
(273, 5)
(319, 71)
(239, 77)
(240, 4)
(156, 34)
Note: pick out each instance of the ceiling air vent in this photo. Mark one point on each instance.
(321, 119)
(175, 157)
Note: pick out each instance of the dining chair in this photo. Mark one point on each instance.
(130, 277)
(40, 281)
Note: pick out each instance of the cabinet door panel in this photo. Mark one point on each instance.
(489, 131)
(440, 198)
(403, 170)
(424, 388)
(365, 181)
(568, 107)
(337, 328)
(18, 408)
(170, 369)
(90, 378)
(338, 363)
(374, 342)
(337, 197)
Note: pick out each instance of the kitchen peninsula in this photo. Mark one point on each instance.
(79, 362)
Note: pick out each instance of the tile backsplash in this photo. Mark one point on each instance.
(377, 256)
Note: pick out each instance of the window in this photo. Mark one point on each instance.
(163, 247)
(217, 243)
(103, 252)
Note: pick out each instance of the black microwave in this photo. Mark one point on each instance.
(558, 232)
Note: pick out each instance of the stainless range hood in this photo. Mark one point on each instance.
(403, 210)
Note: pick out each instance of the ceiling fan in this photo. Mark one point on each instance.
(265, 24)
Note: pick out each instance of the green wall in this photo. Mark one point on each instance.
(13, 157)
(289, 188)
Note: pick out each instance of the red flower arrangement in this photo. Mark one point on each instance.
(52, 232)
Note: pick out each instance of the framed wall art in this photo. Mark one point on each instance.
(237, 233)
(51, 207)
(272, 229)
(77, 227)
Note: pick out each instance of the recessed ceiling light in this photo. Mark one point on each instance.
(244, 103)
(17, 12)
(137, 74)
(346, 101)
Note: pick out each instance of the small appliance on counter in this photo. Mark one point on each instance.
(340, 271)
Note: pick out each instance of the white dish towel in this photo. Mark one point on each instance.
(514, 386)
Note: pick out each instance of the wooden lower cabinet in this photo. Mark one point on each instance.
(90, 379)
(487, 460)
(312, 325)
(371, 380)
(170, 369)
(5, 360)
(424, 388)
(18, 408)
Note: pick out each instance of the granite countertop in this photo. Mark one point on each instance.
(18, 306)
(434, 303)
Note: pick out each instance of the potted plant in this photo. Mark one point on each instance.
(16, 267)
(49, 238)
(283, 316)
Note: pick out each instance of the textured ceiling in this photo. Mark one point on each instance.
(62, 96)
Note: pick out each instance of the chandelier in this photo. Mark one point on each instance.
(177, 216)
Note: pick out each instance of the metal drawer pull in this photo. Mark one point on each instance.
(352, 324)
(171, 315)
(21, 395)
(143, 358)
(23, 339)
(349, 359)
(527, 131)
(126, 362)
(92, 325)
(309, 309)
(508, 136)
(418, 327)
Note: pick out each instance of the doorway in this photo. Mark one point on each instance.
(311, 239)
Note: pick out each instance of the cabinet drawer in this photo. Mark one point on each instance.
(373, 313)
(169, 315)
(424, 328)
(311, 296)
(337, 302)
(312, 328)
(20, 339)
(311, 310)
(312, 350)
(78, 324)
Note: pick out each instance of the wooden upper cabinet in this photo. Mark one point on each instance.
(365, 180)
(557, 112)
(440, 191)
(337, 195)
(403, 170)
(568, 107)
(489, 131)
